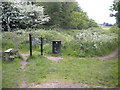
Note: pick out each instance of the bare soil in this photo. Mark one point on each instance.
(24, 61)
(23, 64)
(54, 59)
(56, 85)
(61, 85)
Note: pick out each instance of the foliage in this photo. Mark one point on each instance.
(79, 20)
(116, 7)
(115, 29)
(21, 15)
(80, 43)
(67, 15)
(92, 42)
(24, 15)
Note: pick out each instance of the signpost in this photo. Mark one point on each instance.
(30, 40)
(41, 46)
(34, 41)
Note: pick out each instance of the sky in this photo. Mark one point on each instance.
(98, 10)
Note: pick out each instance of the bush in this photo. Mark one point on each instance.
(78, 43)
(115, 29)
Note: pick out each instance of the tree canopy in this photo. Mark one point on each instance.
(116, 7)
(21, 15)
(68, 15)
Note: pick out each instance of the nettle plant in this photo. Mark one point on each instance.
(22, 15)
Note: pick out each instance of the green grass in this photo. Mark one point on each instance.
(37, 69)
(92, 72)
(0, 73)
(11, 74)
(106, 27)
(88, 43)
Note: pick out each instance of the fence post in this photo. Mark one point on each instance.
(30, 40)
(41, 46)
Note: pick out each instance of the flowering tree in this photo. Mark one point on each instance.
(22, 15)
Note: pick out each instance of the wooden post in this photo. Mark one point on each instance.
(41, 46)
(30, 40)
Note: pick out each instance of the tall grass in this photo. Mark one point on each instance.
(81, 43)
(92, 42)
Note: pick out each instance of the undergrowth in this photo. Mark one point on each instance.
(78, 43)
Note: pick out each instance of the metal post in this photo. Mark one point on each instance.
(41, 46)
(30, 40)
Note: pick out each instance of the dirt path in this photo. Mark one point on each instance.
(56, 85)
(59, 84)
(113, 54)
(24, 61)
(23, 64)
(54, 59)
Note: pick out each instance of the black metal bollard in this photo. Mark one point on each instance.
(56, 45)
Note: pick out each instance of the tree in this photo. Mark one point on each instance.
(116, 7)
(22, 15)
(66, 15)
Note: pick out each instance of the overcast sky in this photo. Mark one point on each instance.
(98, 10)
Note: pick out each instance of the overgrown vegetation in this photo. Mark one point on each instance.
(82, 41)
(78, 43)
(92, 42)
